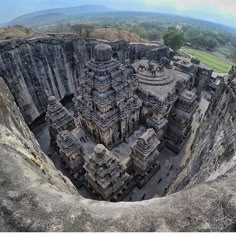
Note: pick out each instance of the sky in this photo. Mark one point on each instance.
(221, 11)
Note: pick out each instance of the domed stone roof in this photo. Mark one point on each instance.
(102, 52)
(52, 100)
(100, 150)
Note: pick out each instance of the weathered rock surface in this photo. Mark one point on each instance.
(36, 69)
(34, 196)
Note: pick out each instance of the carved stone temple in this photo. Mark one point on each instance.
(125, 115)
(71, 153)
(105, 175)
(145, 157)
(109, 110)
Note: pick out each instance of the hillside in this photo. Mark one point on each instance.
(15, 32)
(56, 15)
(115, 34)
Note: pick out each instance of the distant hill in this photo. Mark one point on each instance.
(56, 15)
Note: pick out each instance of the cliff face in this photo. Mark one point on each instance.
(36, 69)
(34, 196)
(214, 148)
(17, 140)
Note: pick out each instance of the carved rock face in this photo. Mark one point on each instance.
(102, 52)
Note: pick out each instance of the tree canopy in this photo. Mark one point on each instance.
(173, 39)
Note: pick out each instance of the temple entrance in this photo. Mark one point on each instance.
(115, 56)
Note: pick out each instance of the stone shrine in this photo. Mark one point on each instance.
(58, 117)
(105, 175)
(71, 152)
(145, 157)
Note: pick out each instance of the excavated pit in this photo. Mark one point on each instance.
(36, 195)
(56, 63)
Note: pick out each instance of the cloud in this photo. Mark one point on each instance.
(215, 10)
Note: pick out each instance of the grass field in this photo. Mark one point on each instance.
(216, 62)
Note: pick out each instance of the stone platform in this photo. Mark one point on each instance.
(122, 151)
(162, 83)
(145, 76)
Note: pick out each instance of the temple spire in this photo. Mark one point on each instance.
(106, 105)
(106, 176)
(58, 117)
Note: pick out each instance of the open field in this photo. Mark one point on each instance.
(217, 62)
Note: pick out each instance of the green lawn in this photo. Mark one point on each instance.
(216, 62)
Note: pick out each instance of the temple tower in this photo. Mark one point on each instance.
(58, 117)
(108, 110)
(71, 153)
(106, 176)
(145, 157)
(180, 120)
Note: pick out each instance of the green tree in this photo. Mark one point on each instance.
(211, 43)
(82, 29)
(173, 39)
(153, 35)
(138, 30)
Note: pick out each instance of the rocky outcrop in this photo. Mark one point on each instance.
(37, 68)
(34, 196)
(214, 149)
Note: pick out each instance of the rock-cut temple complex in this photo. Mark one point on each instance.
(112, 102)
